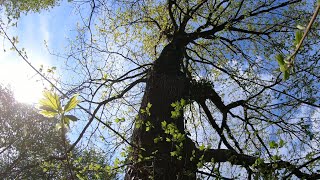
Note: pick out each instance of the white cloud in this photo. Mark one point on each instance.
(44, 28)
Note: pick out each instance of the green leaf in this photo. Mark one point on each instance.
(50, 101)
(73, 102)
(123, 154)
(163, 124)
(283, 68)
(174, 104)
(47, 108)
(273, 144)
(117, 120)
(116, 163)
(80, 177)
(174, 153)
(202, 147)
(66, 120)
(156, 140)
(282, 64)
(71, 117)
(183, 102)
(48, 111)
(301, 27)
(276, 157)
(199, 164)
(175, 114)
(105, 76)
(281, 143)
(310, 155)
(298, 37)
(258, 162)
(286, 75)
(149, 105)
(48, 114)
(280, 59)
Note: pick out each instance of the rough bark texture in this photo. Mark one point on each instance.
(166, 84)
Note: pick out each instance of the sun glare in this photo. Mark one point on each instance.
(22, 80)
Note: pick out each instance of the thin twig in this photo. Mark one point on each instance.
(314, 16)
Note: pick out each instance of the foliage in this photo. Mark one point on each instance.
(288, 65)
(15, 7)
(30, 145)
(27, 138)
(50, 106)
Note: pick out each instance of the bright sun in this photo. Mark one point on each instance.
(22, 81)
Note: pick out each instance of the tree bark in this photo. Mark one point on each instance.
(166, 84)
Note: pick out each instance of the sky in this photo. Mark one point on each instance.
(33, 31)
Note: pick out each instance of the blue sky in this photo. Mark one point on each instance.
(33, 30)
(54, 27)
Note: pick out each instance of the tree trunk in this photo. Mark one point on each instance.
(159, 156)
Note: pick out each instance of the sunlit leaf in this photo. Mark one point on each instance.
(47, 108)
(47, 111)
(301, 27)
(48, 114)
(50, 101)
(72, 103)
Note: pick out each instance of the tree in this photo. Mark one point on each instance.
(26, 138)
(15, 7)
(30, 145)
(213, 97)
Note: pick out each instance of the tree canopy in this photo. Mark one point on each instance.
(14, 8)
(30, 143)
(180, 89)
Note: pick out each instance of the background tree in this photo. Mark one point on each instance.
(26, 138)
(14, 8)
(30, 146)
(214, 103)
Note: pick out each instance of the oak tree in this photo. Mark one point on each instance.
(196, 88)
